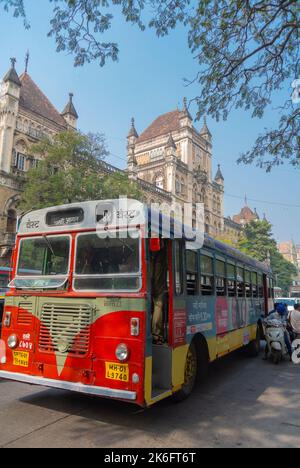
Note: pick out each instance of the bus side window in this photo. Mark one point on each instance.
(260, 287)
(192, 273)
(231, 280)
(220, 278)
(178, 269)
(270, 288)
(207, 275)
(254, 284)
(240, 282)
(248, 286)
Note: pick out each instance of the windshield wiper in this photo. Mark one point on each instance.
(49, 245)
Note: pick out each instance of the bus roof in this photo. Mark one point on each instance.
(123, 212)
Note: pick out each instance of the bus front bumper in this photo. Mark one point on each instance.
(71, 386)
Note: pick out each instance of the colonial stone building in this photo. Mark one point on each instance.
(232, 230)
(245, 216)
(26, 117)
(233, 226)
(171, 159)
(176, 158)
(290, 251)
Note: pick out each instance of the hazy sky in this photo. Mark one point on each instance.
(148, 81)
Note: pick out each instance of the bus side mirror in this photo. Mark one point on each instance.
(155, 245)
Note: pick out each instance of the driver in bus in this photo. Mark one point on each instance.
(87, 263)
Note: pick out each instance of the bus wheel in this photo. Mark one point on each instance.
(190, 376)
(253, 348)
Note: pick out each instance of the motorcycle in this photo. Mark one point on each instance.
(274, 334)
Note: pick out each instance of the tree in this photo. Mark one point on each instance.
(247, 51)
(73, 170)
(257, 241)
(284, 272)
(227, 239)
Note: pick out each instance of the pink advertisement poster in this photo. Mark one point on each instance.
(179, 327)
(222, 315)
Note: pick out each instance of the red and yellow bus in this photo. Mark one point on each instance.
(79, 310)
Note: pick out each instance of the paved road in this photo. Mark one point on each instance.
(244, 403)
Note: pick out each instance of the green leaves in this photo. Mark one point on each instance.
(246, 51)
(258, 242)
(284, 272)
(18, 9)
(72, 170)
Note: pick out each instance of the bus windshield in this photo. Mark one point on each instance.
(43, 263)
(105, 264)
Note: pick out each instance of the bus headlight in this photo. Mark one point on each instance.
(122, 352)
(13, 341)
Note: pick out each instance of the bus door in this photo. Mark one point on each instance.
(266, 295)
(174, 317)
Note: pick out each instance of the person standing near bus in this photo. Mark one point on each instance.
(294, 320)
(159, 290)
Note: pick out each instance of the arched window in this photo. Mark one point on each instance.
(214, 203)
(195, 194)
(177, 186)
(183, 188)
(159, 181)
(11, 225)
(20, 152)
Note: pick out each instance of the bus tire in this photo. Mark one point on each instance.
(253, 348)
(190, 378)
(202, 358)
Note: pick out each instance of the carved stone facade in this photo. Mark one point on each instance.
(173, 156)
(26, 117)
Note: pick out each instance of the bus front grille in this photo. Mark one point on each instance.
(24, 316)
(65, 328)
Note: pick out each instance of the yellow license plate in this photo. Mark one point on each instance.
(117, 371)
(21, 359)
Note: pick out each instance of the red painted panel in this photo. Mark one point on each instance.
(106, 334)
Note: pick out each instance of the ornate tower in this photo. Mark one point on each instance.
(131, 159)
(170, 150)
(69, 113)
(219, 177)
(207, 136)
(9, 108)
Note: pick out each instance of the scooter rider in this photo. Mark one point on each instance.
(280, 313)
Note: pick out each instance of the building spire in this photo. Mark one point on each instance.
(11, 75)
(185, 110)
(219, 175)
(13, 62)
(27, 57)
(70, 108)
(204, 130)
(132, 131)
(246, 200)
(171, 142)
